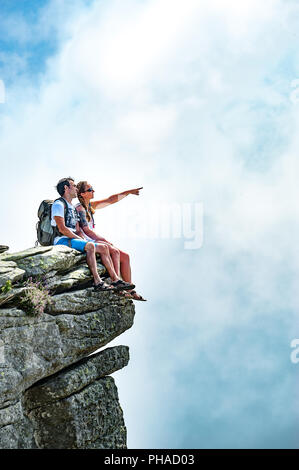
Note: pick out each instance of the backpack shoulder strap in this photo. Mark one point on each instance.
(64, 202)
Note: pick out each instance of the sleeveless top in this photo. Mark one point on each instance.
(83, 222)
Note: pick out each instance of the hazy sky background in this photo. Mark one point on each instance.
(197, 102)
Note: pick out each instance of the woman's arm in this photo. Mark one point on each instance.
(90, 233)
(84, 226)
(114, 198)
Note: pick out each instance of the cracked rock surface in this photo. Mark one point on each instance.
(53, 393)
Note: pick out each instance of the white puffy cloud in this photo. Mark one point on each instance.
(191, 101)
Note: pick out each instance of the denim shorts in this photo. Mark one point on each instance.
(75, 243)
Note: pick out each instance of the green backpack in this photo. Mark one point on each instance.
(46, 233)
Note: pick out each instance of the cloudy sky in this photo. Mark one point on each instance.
(198, 102)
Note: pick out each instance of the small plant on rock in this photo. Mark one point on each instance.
(6, 288)
(4, 297)
(36, 298)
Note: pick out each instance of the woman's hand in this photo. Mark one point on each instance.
(134, 191)
(114, 198)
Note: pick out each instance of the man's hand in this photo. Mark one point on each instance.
(65, 230)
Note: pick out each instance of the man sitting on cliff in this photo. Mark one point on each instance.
(65, 219)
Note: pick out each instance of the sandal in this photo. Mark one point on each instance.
(124, 293)
(122, 285)
(102, 286)
(136, 296)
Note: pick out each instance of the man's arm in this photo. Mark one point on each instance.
(66, 231)
(114, 198)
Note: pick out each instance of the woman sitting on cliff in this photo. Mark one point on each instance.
(86, 209)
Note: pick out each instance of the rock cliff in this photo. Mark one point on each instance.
(54, 393)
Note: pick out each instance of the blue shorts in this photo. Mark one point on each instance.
(75, 243)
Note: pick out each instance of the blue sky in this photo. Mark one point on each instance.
(17, 20)
(197, 103)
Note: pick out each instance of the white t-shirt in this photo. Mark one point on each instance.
(58, 210)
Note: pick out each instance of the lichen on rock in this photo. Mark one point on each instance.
(45, 362)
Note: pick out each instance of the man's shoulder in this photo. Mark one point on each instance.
(58, 207)
(63, 203)
(58, 203)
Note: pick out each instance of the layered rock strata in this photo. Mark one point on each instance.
(53, 393)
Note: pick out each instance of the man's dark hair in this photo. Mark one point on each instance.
(62, 183)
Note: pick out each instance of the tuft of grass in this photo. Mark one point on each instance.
(36, 298)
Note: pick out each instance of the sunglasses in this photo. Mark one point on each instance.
(89, 190)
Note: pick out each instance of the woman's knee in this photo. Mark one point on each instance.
(103, 249)
(124, 257)
(114, 252)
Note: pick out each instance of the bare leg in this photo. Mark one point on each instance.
(103, 250)
(122, 258)
(125, 267)
(125, 270)
(115, 256)
(121, 262)
(92, 262)
(121, 265)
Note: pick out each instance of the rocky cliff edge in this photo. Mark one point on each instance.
(54, 393)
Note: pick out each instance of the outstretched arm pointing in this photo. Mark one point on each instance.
(114, 198)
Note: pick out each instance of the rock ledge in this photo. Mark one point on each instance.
(53, 392)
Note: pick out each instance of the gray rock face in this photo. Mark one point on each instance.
(51, 394)
(16, 430)
(42, 260)
(76, 377)
(81, 403)
(75, 277)
(10, 272)
(91, 418)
